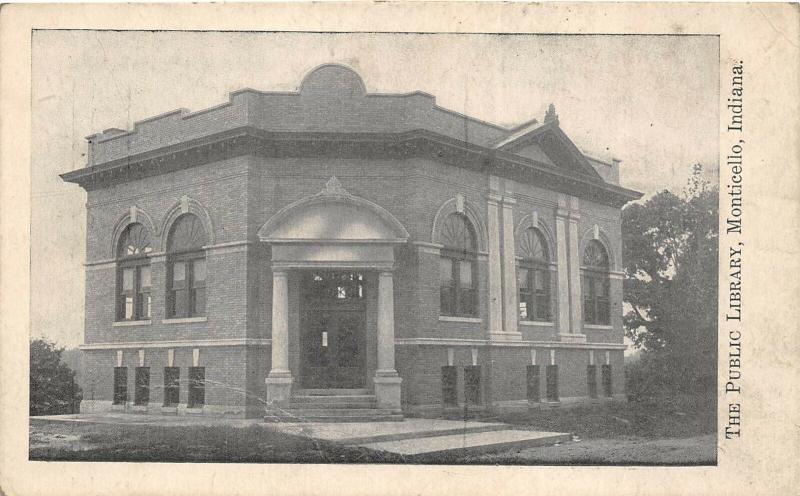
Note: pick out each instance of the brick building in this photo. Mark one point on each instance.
(332, 244)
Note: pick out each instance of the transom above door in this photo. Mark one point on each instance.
(333, 289)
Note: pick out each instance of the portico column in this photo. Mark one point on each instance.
(279, 381)
(386, 380)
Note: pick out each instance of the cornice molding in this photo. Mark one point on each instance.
(248, 140)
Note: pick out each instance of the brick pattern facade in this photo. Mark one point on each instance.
(235, 196)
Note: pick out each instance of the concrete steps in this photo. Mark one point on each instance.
(330, 392)
(334, 415)
(332, 405)
(338, 401)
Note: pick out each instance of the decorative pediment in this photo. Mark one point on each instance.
(333, 215)
(547, 143)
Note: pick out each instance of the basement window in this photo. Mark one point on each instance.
(142, 390)
(449, 385)
(552, 382)
(172, 386)
(607, 389)
(197, 387)
(472, 385)
(591, 380)
(120, 385)
(534, 378)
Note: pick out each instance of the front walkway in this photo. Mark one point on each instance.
(412, 436)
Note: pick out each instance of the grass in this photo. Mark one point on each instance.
(679, 432)
(666, 418)
(149, 443)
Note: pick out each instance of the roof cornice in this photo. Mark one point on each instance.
(248, 140)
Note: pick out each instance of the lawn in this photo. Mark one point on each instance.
(668, 418)
(181, 443)
(668, 432)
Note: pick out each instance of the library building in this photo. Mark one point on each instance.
(333, 253)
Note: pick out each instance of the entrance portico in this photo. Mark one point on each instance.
(338, 242)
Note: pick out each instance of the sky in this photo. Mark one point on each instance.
(651, 101)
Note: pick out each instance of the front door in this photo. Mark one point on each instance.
(333, 330)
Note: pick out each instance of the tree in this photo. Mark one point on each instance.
(670, 251)
(53, 389)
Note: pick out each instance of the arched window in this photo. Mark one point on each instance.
(533, 276)
(186, 268)
(595, 284)
(133, 274)
(457, 267)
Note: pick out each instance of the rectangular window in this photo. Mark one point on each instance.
(542, 288)
(607, 390)
(446, 286)
(457, 286)
(552, 382)
(472, 385)
(127, 279)
(179, 292)
(534, 293)
(591, 380)
(144, 303)
(596, 309)
(533, 383)
(198, 287)
(588, 302)
(120, 385)
(133, 296)
(142, 390)
(197, 387)
(525, 309)
(172, 386)
(449, 386)
(126, 309)
(466, 303)
(602, 302)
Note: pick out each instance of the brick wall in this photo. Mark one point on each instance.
(240, 195)
(503, 370)
(225, 371)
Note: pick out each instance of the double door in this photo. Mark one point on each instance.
(333, 331)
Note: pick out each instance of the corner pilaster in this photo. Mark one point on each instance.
(576, 306)
(510, 305)
(562, 268)
(493, 202)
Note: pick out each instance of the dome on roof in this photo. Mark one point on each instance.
(333, 79)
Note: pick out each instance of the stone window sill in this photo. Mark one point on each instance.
(473, 320)
(184, 320)
(126, 323)
(598, 327)
(536, 323)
